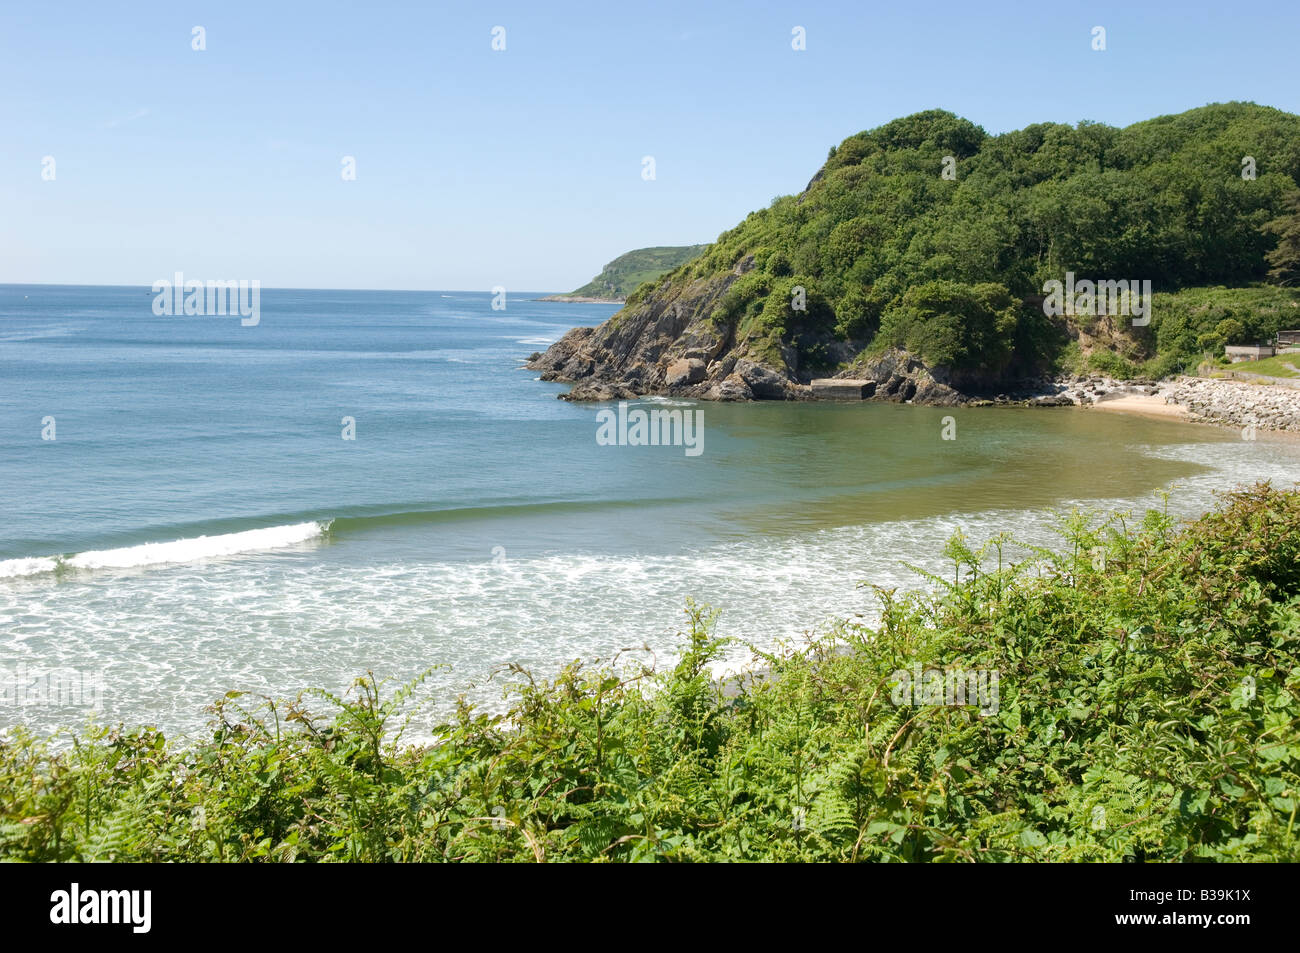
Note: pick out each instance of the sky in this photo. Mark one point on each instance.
(524, 167)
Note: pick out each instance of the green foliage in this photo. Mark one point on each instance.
(779, 312)
(1231, 331)
(1227, 331)
(766, 312)
(1148, 708)
(1283, 365)
(778, 264)
(1195, 322)
(1284, 259)
(795, 311)
(858, 315)
(744, 296)
(1161, 200)
(639, 294)
(1111, 364)
(949, 324)
(625, 275)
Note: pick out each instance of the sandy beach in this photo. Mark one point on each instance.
(1223, 403)
(1149, 405)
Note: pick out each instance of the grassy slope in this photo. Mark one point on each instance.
(621, 276)
(1279, 366)
(1149, 677)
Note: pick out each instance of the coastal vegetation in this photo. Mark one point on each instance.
(621, 276)
(1162, 200)
(1187, 327)
(930, 237)
(1285, 258)
(1147, 708)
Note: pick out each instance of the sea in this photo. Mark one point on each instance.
(373, 483)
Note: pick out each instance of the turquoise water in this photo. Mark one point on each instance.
(199, 523)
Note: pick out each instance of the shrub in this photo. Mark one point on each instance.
(778, 264)
(946, 323)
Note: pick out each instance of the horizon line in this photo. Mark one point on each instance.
(149, 285)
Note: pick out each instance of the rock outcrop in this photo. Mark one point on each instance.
(684, 371)
(669, 343)
(961, 274)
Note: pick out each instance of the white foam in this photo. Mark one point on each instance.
(10, 568)
(667, 401)
(178, 551)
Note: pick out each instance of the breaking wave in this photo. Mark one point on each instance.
(178, 551)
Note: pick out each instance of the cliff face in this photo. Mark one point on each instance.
(669, 343)
(664, 344)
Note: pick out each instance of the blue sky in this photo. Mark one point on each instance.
(523, 167)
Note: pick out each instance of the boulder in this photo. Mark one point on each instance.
(930, 391)
(732, 387)
(762, 381)
(685, 371)
(598, 391)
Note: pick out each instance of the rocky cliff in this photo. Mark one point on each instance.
(670, 343)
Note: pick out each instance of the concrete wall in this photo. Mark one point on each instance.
(1248, 352)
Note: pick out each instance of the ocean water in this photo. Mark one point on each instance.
(198, 523)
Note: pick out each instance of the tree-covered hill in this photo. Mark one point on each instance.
(930, 237)
(621, 276)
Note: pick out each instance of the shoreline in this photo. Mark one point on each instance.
(581, 299)
(1219, 402)
(1235, 404)
(1143, 405)
(901, 671)
(1228, 403)
(1155, 407)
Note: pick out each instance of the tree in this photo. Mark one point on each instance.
(1285, 258)
(950, 324)
(1231, 331)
